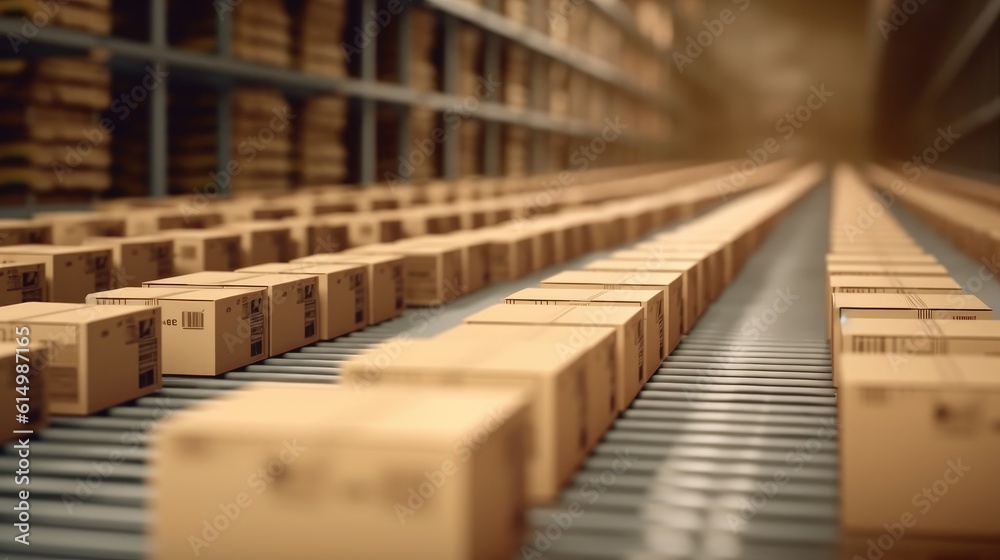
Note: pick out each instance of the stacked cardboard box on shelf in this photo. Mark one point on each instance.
(470, 87)
(319, 154)
(261, 31)
(93, 16)
(907, 353)
(418, 159)
(54, 139)
(319, 25)
(260, 142)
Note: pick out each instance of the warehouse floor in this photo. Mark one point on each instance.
(729, 452)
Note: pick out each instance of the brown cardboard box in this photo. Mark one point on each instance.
(914, 258)
(692, 291)
(432, 273)
(22, 386)
(70, 272)
(429, 220)
(137, 259)
(99, 356)
(556, 385)
(851, 284)
(70, 228)
(370, 227)
(913, 547)
(342, 293)
(263, 242)
(151, 221)
(883, 269)
(24, 232)
(710, 268)
(902, 339)
(597, 343)
(632, 369)
(511, 255)
(290, 311)
(960, 307)
(316, 236)
(651, 302)
(668, 282)
(21, 282)
(386, 281)
(475, 273)
(446, 466)
(205, 332)
(722, 256)
(948, 407)
(205, 250)
(235, 211)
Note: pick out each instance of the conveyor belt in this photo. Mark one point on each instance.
(719, 417)
(724, 414)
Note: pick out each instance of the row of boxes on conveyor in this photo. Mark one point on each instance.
(914, 358)
(345, 273)
(453, 436)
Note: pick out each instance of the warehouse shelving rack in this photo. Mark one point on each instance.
(222, 72)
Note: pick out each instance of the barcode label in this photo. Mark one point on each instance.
(659, 322)
(256, 327)
(640, 337)
(397, 278)
(310, 329)
(148, 362)
(581, 395)
(193, 320)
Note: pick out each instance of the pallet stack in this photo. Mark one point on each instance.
(469, 87)
(53, 138)
(319, 27)
(422, 76)
(319, 154)
(260, 142)
(261, 29)
(92, 16)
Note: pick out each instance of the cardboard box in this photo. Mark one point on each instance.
(316, 236)
(70, 228)
(205, 332)
(872, 269)
(263, 242)
(99, 356)
(650, 301)
(913, 547)
(290, 315)
(472, 442)
(914, 258)
(668, 282)
(70, 272)
(475, 272)
(342, 293)
(137, 259)
(598, 344)
(709, 265)
(21, 282)
(432, 273)
(957, 307)
(386, 281)
(877, 248)
(632, 369)
(370, 227)
(205, 250)
(22, 386)
(24, 232)
(511, 256)
(692, 290)
(722, 255)
(557, 385)
(948, 408)
(904, 338)
(850, 284)
(152, 221)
